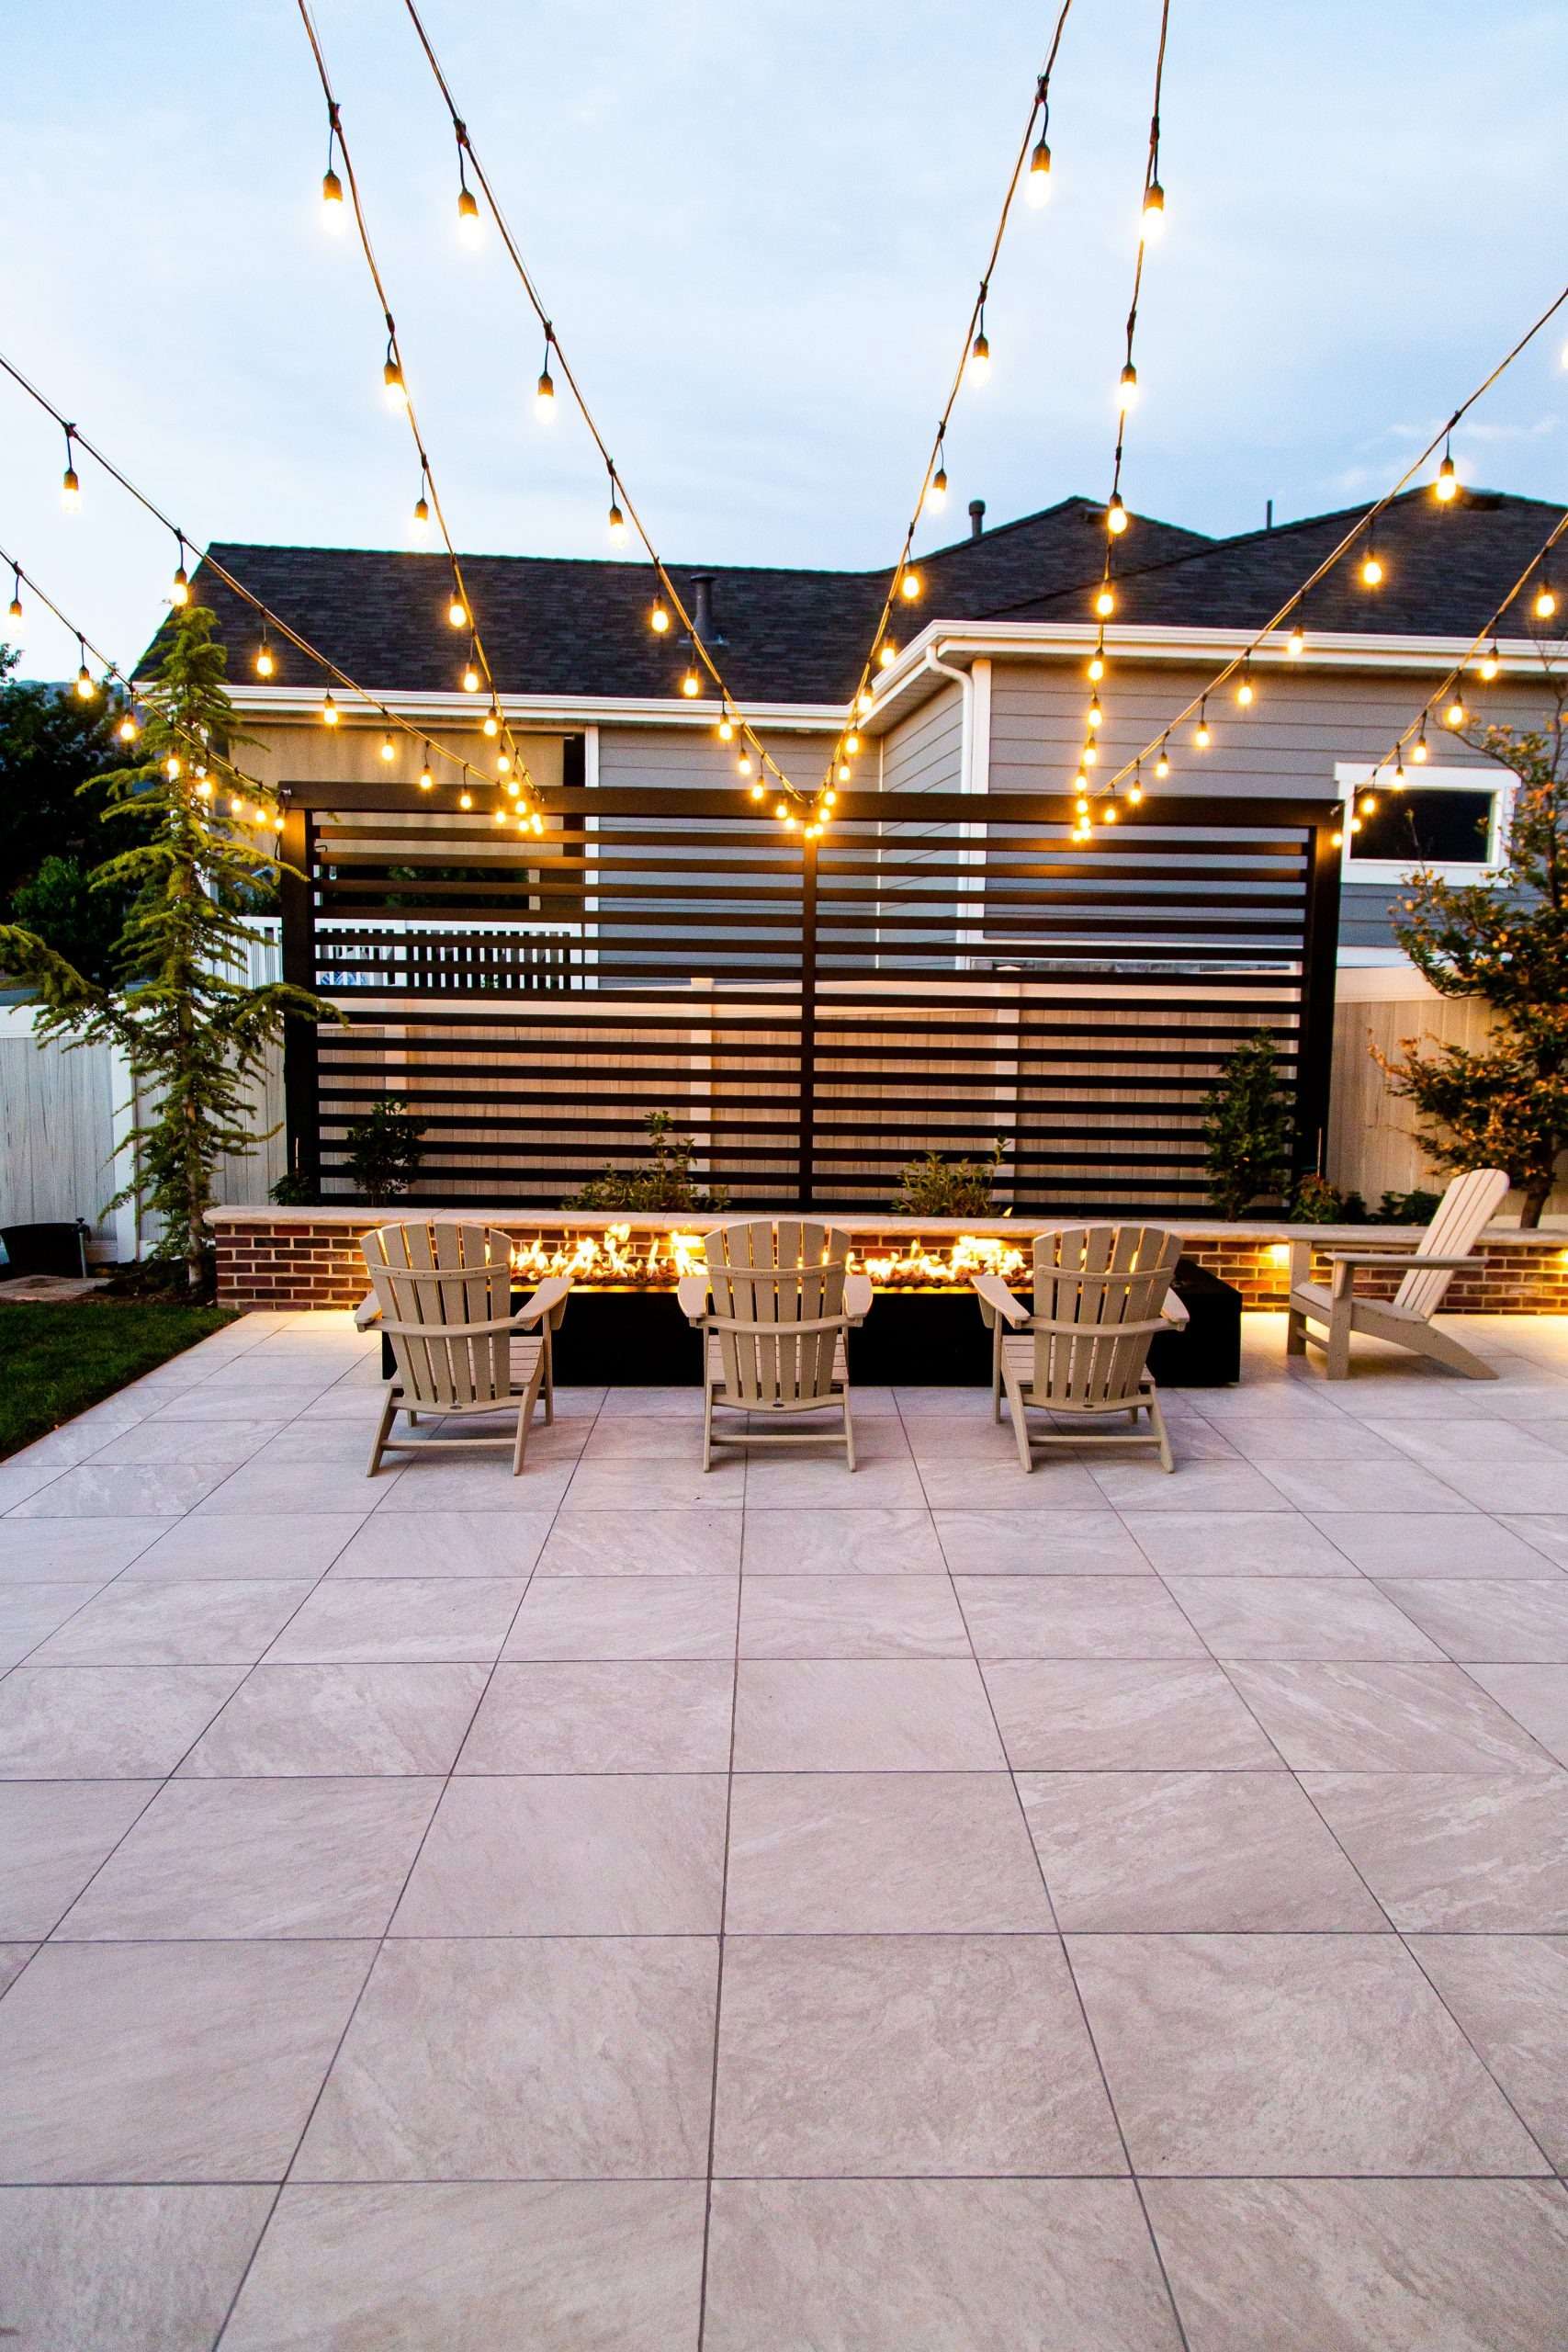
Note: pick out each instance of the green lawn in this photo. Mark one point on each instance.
(56, 1361)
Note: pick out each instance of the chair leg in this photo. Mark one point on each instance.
(1337, 1366)
(708, 1423)
(1295, 1334)
(520, 1445)
(996, 1374)
(1167, 1460)
(549, 1354)
(383, 1432)
(848, 1430)
(1020, 1427)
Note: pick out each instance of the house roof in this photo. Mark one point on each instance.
(570, 629)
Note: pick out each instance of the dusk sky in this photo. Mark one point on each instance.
(759, 229)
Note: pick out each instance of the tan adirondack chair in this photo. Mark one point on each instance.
(1446, 1245)
(443, 1295)
(1101, 1291)
(773, 1308)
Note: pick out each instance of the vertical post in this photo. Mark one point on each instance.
(1320, 953)
(301, 1076)
(807, 1105)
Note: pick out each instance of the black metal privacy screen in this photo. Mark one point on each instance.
(939, 973)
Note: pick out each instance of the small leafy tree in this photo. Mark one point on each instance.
(1504, 1104)
(1249, 1128)
(192, 1033)
(933, 1186)
(664, 1184)
(52, 743)
(63, 906)
(383, 1151)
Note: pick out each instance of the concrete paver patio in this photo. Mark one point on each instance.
(620, 1910)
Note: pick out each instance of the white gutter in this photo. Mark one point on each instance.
(1072, 640)
(446, 710)
(934, 660)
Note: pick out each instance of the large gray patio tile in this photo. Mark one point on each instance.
(656, 1543)
(880, 1853)
(31, 1612)
(884, 2055)
(249, 1401)
(403, 1620)
(1455, 1851)
(604, 1715)
(343, 1721)
(850, 1616)
(1423, 1543)
(622, 1402)
(118, 1490)
(216, 1445)
(187, 1623)
(1485, 1438)
(1544, 1532)
(1075, 1617)
(1236, 1543)
(1489, 1621)
(1352, 1717)
(872, 1541)
(566, 1617)
(617, 1485)
(88, 1722)
(862, 1715)
(445, 1543)
(332, 1488)
(18, 1480)
(1508, 1486)
(140, 2269)
(1142, 1485)
(526, 2059)
(1056, 1484)
(1342, 2266)
(266, 1544)
(1289, 2054)
(169, 2062)
(70, 1551)
(1125, 1716)
(1536, 1696)
(1212, 1852)
(982, 1543)
(1510, 1995)
(1298, 1617)
(777, 1481)
(607, 1855)
(1279, 1437)
(447, 1480)
(14, 1957)
(555, 2266)
(633, 1437)
(53, 1835)
(276, 1858)
(931, 2266)
(1322, 1486)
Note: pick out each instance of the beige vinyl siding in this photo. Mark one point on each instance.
(925, 752)
(295, 750)
(693, 756)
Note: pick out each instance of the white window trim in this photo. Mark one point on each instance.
(1354, 776)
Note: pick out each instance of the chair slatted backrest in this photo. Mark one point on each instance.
(445, 1292)
(1463, 1213)
(1098, 1280)
(776, 1279)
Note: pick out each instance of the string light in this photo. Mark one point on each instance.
(725, 730)
(426, 781)
(329, 711)
(1244, 691)
(617, 521)
(1295, 644)
(264, 664)
(1039, 182)
(980, 349)
(16, 608)
(456, 613)
(70, 484)
(332, 187)
(1201, 734)
(853, 744)
(1419, 752)
(84, 675)
(1105, 602)
(1127, 388)
(1162, 764)
(690, 685)
(491, 723)
(910, 586)
(470, 677)
(1096, 665)
(388, 753)
(1454, 716)
(179, 587)
(1372, 569)
(936, 489)
(659, 617)
(1490, 663)
(1546, 601)
(887, 655)
(127, 729)
(465, 800)
(1116, 515)
(1095, 712)
(1445, 490)
(419, 521)
(1154, 211)
(545, 394)
(1135, 789)
(396, 390)
(743, 766)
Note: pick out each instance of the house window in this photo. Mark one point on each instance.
(1449, 819)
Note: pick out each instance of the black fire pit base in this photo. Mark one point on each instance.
(639, 1339)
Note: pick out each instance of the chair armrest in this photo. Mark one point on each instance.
(552, 1293)
(993, 1292)
(691, 1291)
(367, 1312)
(1301, 1261)
(1173, 1310)
(1345, 1263)
(857, 1296)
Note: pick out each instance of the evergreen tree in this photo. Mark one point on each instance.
(1506, 1104)
(192, 1033)
(1248, 1126)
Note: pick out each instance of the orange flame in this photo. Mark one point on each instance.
(657, 1261)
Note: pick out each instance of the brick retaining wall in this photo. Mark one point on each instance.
(303, 1258)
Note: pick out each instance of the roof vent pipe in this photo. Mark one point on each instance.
(976, 517)
(701, 609)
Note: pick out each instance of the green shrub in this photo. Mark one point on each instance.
(1248, 1126)
(933, 1186)
(664, 1185)
(383, 1150)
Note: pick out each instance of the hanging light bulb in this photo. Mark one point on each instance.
(616, 527)
(1135, 789)
(1091, 756)
(1491, 662)
(236, 806)
(504, 763)
(1398, 783)
(470, 228)
(471, 677)
(1295, 644)
(419, 521)
(84, 675)
(1127, 388)
(1371, 570)
(1367, 804)
(1039, 181)
(500, 816)
(887, 653)
(1108, 813)
(491, 724)
(392, 384)
(278, 823)
(545, 390)
(426, 781)
(980, 352)
(910, 586)
(1454, 715)
(781, 812)
(171, 770)
(387, 750)
(1418, 751)
(1095, 670)
(1337, 839)
(1201, 734)
(936, 489)
(851, 744)
(16, 608)
(1445, 490)
(744, 764)
(1546, 601)
(1153, 209)
(128, 730)
(457, 612)
(1162, 764)
(1105, 603)
(465, 800)
(1244, 691)
(865, 702)
(179, 587)
(829, 800)
(512, 788)
(536, 824)
(329, 711)
(844, 772)
(1115, 515)
(263, 659)
(659, 617)
(331, 202)
(1095, 712)
(70, 486)
(691, 684)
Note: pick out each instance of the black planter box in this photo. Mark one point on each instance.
(639, 1339)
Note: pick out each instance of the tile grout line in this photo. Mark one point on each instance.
(723, 1921)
